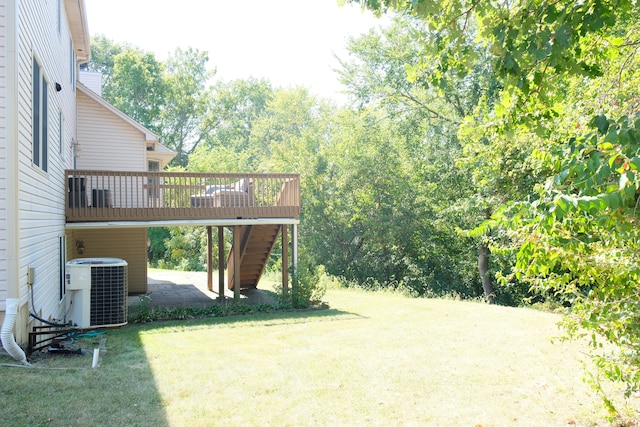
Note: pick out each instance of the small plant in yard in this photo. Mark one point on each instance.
(310, 285)
(144, 313)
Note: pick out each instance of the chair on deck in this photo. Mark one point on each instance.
(238, 194)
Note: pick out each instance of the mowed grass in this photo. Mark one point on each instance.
(369, 360)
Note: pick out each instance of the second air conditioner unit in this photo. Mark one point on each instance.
(98, 291)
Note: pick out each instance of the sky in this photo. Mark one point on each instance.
(288, 42)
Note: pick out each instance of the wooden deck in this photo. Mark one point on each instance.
(96, 196)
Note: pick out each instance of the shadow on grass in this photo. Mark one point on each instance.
(62, 390)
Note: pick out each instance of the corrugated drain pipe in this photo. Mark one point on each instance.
(8, 340)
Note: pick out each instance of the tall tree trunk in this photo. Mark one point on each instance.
(483, 268)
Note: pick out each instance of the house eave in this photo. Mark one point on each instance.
(77, 16)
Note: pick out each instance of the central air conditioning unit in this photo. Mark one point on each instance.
(98, 290)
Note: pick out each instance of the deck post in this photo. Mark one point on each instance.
(294, 255)
(209, 260)
(236, 262)
(285, 260)
(221, 264)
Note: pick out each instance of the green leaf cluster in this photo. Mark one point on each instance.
(555, 151)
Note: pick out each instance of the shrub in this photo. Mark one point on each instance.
(309, 286)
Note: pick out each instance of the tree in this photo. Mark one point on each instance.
(579, 240)
(137, 87)
(103, 52)
(186, 117)
(236, 105)
(368, 204)
(291, 131)
(428, 119)
(574, 235)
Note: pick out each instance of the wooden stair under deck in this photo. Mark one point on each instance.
(256, 244)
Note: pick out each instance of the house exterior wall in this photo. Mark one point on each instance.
(128, 244)
(106, 141)
(40, 199)
(92, 80)
(32, 199)
(3, 154)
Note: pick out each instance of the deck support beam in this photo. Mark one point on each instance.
(294, 255)
(236, 261)
(285, 260)
(209, 260)
(221, 264)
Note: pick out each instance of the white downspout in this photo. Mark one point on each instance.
(13, 221)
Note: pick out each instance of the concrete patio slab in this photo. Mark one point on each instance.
(189, 289)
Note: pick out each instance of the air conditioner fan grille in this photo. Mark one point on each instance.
(108, 295)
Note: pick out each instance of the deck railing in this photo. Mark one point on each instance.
(156, 196)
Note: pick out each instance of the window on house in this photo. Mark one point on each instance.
(61, 134)
(62, 256)
(154, 183)
(72, 66)
(59, 15)
(40, 149)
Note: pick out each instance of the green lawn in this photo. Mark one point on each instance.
(372, 359)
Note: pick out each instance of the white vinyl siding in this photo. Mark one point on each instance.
(41, 197)
(92, 80)
(3, 157)
(106, 141)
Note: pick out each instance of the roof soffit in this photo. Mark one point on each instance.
(77, 16)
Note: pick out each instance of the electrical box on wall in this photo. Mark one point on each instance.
(31, 275)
